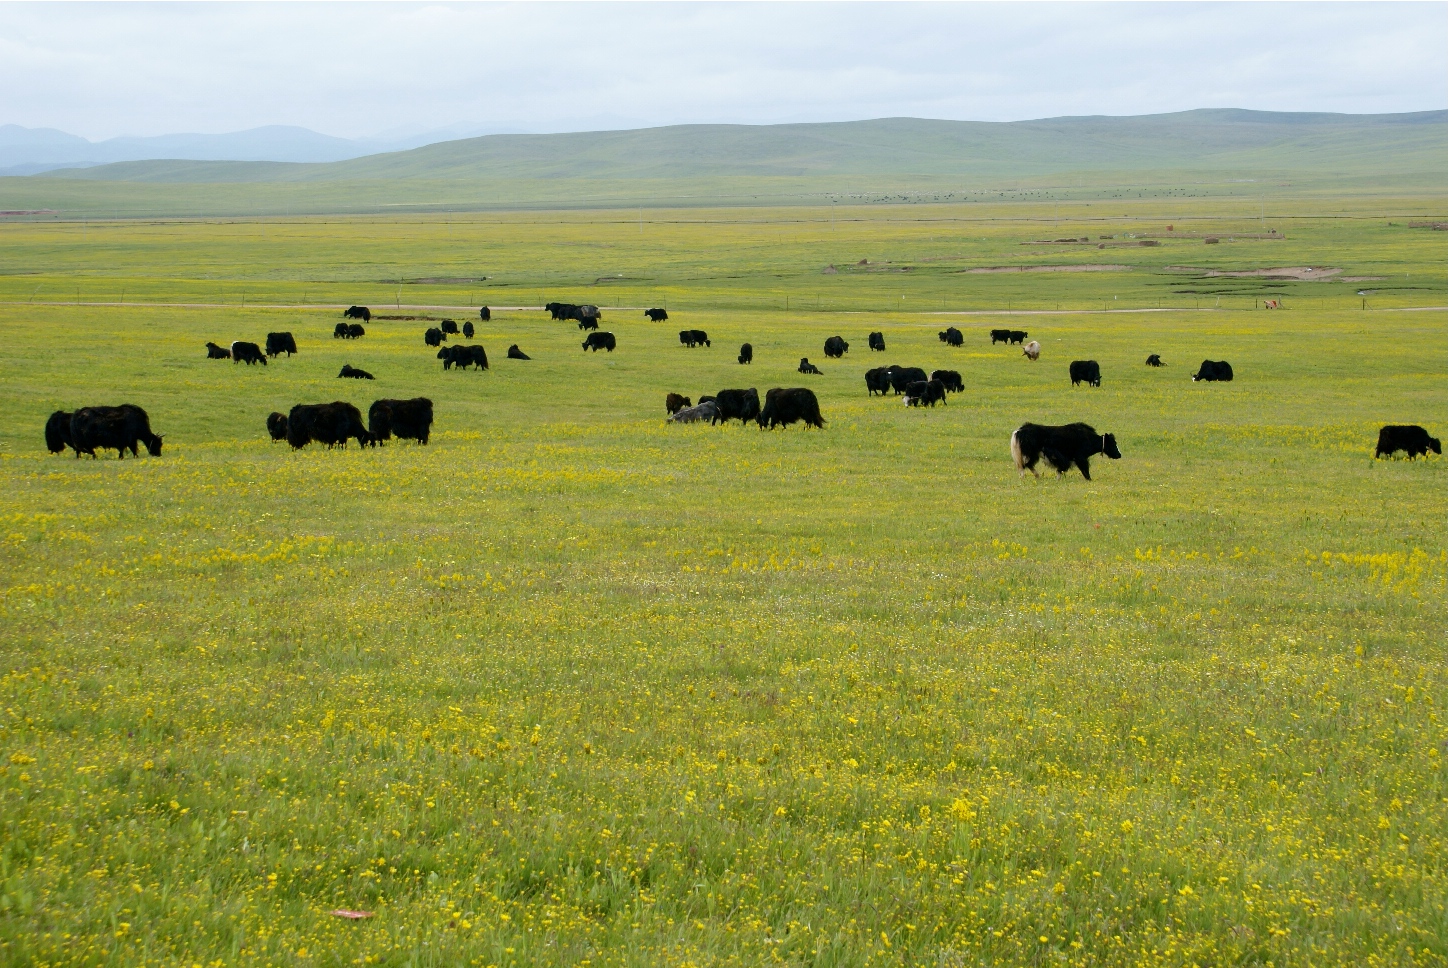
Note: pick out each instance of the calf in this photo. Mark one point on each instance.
(350, 372)
(588, 323)
(214, 352)
(276, 425)
(1154, 360)
(516, 354)
(247, 353)
(741, 405)
(1000, 336)
(1391, 439)
(600, 341)
(279, 343)
(835, 347)
(675, 402)
(926, 392)
(468, 330)
(784, 406)
(693, 337)
(706, 410)
(449, 326)
(951, 336)
(1085, 371)
(404, 419)
(326, 423)
(433, 336)
(657, 315)
(949, 379)
(877, 341)
(57, 431)
(122, 427)
(746, 354)
(1074, 443)
(805, 366)
(1214, 371)
(878, 380)
(1031, 351)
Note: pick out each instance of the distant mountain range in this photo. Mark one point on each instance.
(29, 151)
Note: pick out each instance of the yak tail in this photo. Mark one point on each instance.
(1016, 452)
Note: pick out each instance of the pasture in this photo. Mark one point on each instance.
(574, 686)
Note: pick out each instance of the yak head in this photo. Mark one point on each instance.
(1435, 445)
(153, 446)
(1109, 448)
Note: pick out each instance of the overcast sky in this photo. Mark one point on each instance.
(359, 70)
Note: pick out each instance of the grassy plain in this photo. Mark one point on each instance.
(573, 686)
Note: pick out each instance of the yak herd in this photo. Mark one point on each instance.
(127, 427)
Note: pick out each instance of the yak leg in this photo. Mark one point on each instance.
(1085, 465)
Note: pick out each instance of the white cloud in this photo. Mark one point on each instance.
(359, 69)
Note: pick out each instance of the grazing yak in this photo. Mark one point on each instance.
(1000, 336)
(279, 343)
(326, 423)
(1018, 336)
(805, 366)
(1391, 439)
(902, 376)
(741, 405)
(877, 341)
(675, 402)
(1031, 351)
(449, 326)
(57, 431)
(1085, 371)
(706, 410)
(276, 425)
(516, 354)
(358, 312)
(1074, 443)
(403, 419)
(463, 356)
(951, 336)
(1154, 360)
(340, 331)
(600, 341)
(693, 337)
(248, 353)
(355, 331)
(214, 352)
(574, 312)
(351, 372)
(485, 314)
(657, 315)
(1214, 371)
(878, 380)
(468, 331)
(120, 427)
(433, 336)
(836, 348)
(589, 323)
(784, 406)
(950, 380)
(746, 354)
(926, 392)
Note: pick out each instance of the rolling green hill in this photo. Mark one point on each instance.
(714, 162)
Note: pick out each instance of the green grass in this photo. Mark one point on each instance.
(573, 685)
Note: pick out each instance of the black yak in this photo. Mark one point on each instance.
(57, 431)
(1061, 446)
(784, 406)
(835, 347)
(657, 315)
(351, 372)
(120, 427)
(516, 354)
(1085, 371)
(404, 419)
(951, 336)
(746, 354)
(1395, 437)
(214, 352)
(276, 425)
(248, 353)
(741, 405)
(358, 312)
(326, 423)
(600, 341)
(877, 341)
(675, 402)
(924, 393)
(279, 343)
(949, 379)
(805, 366)
(1214, 371)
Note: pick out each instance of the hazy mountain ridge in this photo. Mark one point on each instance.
(1220, 140)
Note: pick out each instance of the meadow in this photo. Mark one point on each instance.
(574, 686)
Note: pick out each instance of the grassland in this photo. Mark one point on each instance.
(573, 686)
